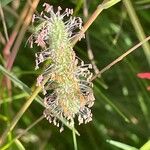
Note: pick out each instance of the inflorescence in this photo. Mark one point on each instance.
(68, 92)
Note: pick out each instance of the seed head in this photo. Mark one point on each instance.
(68, 93)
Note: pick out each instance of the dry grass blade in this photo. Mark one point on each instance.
(16, 30)
(21, 34)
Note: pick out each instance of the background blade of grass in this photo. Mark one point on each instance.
(138, 27)
(146, 146)
(19, 145)
(5, 2)
(121, 145)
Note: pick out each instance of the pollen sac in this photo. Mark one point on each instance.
(68, 92)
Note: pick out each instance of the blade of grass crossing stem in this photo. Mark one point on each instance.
(4, 23)
(121, 145)
(120, 58)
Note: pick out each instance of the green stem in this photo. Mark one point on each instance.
(138, 28)
(146, 146)
(20, 135)
(20, 113)
(100, 8)
(74, 138)
(120, 58)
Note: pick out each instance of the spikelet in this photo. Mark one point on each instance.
(68, 93)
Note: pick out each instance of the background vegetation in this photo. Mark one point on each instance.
(121, 111)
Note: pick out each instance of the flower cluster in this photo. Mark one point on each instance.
(68, 92)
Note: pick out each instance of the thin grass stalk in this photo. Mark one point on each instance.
(144, 109)
(96, 13)
(16, 30)
(20, 113)
(2, 39)
(140, 2)
(6, 50)
(121, 57)
(21, 34)
(74, 138)
(3, 22)
(89, 49)
(19, 96)
(138, 28)
(38, 89)
(21, 134)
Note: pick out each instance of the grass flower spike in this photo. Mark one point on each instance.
(68, 93)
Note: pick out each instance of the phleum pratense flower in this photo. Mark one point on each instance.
(68, 92)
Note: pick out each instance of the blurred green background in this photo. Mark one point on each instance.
(122, 108)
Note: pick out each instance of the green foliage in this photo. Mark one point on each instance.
(5, 2)
(121, 145)
(121, 110)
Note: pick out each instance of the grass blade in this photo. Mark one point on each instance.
(19, 83)
(5, 2)
(19, 145)
(121, 145)
(146, 146)
(74, 138)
